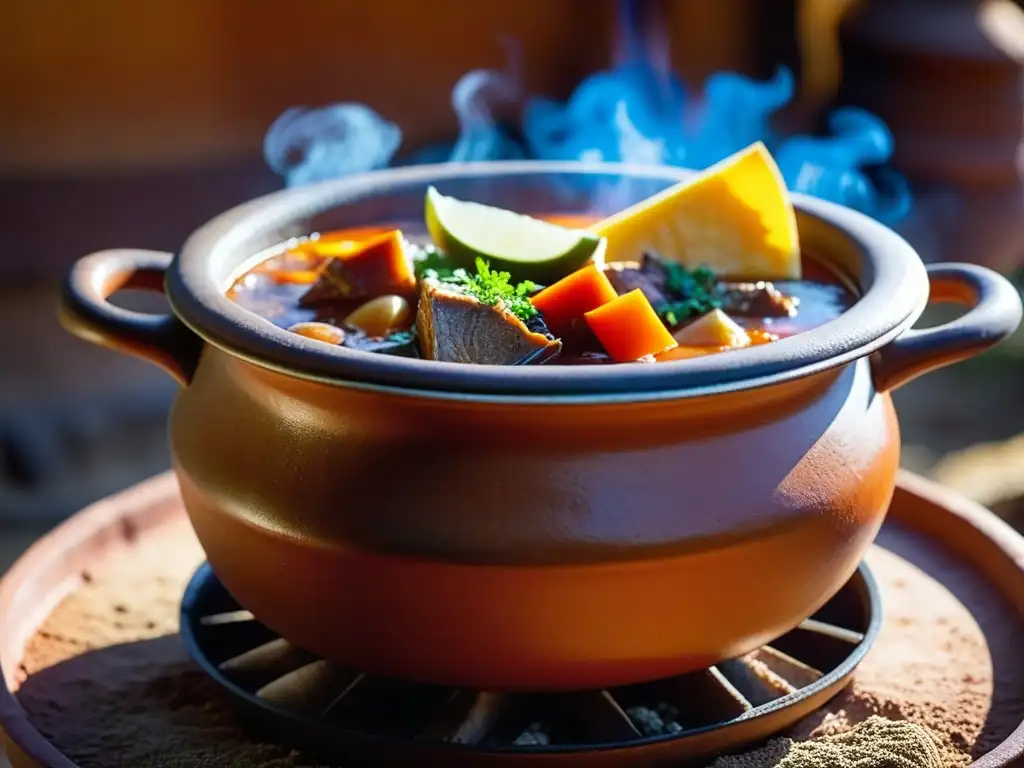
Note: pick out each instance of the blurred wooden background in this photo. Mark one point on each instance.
(130, 123)
(116, 84)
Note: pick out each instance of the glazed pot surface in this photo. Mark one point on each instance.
(506, 528)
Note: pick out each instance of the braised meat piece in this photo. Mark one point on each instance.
(683, 294)
(455, 327)
(578, 340)
(376, 267)
(650, 276)
(761, 299)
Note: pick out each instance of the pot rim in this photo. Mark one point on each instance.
(892, 280)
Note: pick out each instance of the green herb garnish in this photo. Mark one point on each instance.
(697, 290)
(431, 262)
(491, 287)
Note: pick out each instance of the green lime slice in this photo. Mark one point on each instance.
(526, 248)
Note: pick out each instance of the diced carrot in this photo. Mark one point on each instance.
(572, 297)
(629, 328)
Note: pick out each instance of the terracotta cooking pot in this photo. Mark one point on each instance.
(531, 527)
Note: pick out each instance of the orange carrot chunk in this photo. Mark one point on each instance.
(629, 328)
(572, 297)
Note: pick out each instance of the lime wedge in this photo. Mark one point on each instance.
(527, 248)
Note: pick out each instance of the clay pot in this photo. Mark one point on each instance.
(531, 528)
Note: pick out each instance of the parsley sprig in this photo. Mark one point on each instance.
(695, 292)
(490, 287)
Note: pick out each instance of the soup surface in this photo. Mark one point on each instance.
(288, 289)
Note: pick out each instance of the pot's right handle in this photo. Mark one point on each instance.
(86, 312)
(994, 313)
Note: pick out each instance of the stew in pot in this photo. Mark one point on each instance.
(709, 266)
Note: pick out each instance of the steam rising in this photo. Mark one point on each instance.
(307, 145)
(636, 112)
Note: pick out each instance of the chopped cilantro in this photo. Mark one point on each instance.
(491, 287)
(695, 291)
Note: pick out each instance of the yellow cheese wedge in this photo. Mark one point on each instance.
(735, 217)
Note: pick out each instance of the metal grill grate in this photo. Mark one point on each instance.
(295, 698)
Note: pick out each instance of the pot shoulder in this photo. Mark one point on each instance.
(484, 483)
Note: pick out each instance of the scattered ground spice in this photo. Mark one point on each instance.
(946, 655)
(109, 683)
(874, 743)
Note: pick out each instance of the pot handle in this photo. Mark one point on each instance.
(994, 313)
(85, 311)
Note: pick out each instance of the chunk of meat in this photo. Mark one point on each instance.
(578, 340)
(649, 275)
(761, 299)
(652, 265)
(372, 268)
(454, 327)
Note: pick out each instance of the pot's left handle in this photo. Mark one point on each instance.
(86, 311)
